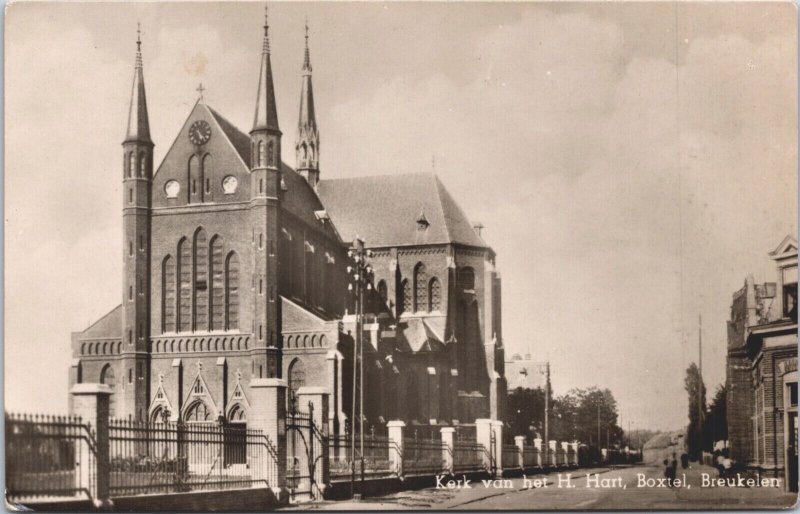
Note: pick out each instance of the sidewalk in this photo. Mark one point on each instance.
(431, 497)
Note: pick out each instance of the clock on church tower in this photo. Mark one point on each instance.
(199, 132)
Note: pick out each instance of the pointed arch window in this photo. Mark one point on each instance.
(405, 300)
(142, 165)
(168, 294)
(232, 292)
(261, 154)
(434, 295)
(195, 179)
(297, 379)
(200, 272)
(383, 295)
(420, 287)
(217, 277)
(131, 164)
(184, 272)
(271, 153)
(197, 413)
(207, 172)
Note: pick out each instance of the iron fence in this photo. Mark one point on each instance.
(511, 454)
(377, 460)
(466, 432)
(531, 457)
(423, 456)
(468, 456)
(49, 456)
(146, 458)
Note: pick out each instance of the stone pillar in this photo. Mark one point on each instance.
(395, 429)
(448, 449)
(519, 441)
(575, 461)
(551, 454)
(537, 443)
(565, 449)
(268, 414)
(91, 403)
(604, 453)
(315, 400)
(483, 433)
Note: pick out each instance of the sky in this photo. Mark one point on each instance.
(631, 162)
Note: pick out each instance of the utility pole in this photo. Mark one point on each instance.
(547, 405)
(700, 387)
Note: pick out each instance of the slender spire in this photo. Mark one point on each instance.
(266, 116)
(138, 121)
(307, 146)
(307, 58)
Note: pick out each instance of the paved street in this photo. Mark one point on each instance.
(609, 489)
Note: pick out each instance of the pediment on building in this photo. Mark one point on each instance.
(199, 393)
(787, 248)
(161, 401)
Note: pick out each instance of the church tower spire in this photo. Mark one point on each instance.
(307, 145)
(266, 116)
(137, 177)
(138, 122)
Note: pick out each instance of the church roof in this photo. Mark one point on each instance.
(421, 334)
(108, 326)
(384, 210)
(239, 140)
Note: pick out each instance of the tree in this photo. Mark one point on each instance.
(693, 383)
(526, 412)
(715, 424)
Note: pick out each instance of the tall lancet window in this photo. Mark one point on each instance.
(195, 180)
(142, 165)
(406, 300)
(434, 295)
(217, 276)
(200, 264)
(420, 288)
(184, 318)
(262, 158)
(270, 153)
(168, 294)
(232, 292)
(132, 164)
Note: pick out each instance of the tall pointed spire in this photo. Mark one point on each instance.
(266, 117)
(138, 122)
(307, 146)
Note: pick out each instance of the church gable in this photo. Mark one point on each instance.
(199, 405)
(206, 164)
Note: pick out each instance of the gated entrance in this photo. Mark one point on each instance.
(305, 444)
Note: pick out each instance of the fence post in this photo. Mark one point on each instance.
(268, 414)
(520, 442)
(448, 449)
(575, 454)
(537, 443)
(483, 435)
(318, 397)
(497, 430)
(395, 429)
(551, 454)
(90, 402)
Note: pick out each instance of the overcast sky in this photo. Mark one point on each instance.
(631, 162)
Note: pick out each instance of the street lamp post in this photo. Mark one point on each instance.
(360, 273)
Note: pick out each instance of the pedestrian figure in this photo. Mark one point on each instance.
(684, 460)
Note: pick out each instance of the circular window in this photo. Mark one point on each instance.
(172, 188)
(229, 184)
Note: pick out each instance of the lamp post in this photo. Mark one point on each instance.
(360, 273)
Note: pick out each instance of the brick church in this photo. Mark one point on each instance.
(236, 267)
